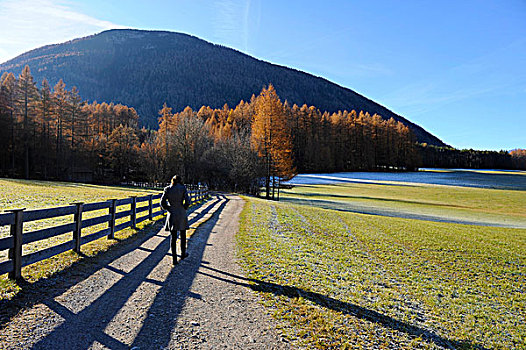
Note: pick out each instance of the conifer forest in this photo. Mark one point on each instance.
(51, 133)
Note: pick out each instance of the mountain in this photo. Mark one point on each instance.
(144, 69)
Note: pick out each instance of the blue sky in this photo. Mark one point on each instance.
(457, 68)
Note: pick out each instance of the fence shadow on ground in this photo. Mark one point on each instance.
(340, 306)
(158, 323)
(80, 330)
(33, 293)
(72, 333)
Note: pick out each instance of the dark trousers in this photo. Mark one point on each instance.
(173, 243)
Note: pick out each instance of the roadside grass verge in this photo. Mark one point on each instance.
(342, 280)
(492, 205)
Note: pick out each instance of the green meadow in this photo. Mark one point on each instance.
(337, 279)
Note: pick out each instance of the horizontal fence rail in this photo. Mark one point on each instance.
(149, 204)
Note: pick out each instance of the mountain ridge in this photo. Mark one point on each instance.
(145, 68)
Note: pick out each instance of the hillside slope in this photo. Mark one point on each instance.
(144, 69)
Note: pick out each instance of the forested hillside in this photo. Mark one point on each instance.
(144, 69)
(50, 133)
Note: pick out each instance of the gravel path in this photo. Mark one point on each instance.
(134, 298)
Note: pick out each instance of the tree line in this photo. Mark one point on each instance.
(267, 139)
(50, 133)
(447, 157)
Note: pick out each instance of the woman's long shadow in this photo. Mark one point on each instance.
(340, 306)
(81, 330)
(169, 301)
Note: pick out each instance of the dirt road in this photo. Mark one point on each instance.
(134, 298)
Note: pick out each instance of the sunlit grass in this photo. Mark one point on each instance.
(30, 194)
(464, 285)
(33, 194)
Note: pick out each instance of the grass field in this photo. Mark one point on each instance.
(336, 279)
(505, 207)
(45, 194)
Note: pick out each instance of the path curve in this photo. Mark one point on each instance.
(132, 297)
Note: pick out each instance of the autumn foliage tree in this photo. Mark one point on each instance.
(518, 157)
(26, 93)
(123, 145)
(271, 137)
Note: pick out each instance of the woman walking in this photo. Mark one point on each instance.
(175, 200)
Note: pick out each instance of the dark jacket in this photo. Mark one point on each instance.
(175, 200)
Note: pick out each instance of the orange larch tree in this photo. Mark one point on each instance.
(271, 137)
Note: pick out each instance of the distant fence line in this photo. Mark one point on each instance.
(17, 217)
(158, 185)
(154, 185)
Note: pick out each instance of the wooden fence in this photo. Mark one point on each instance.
(17, 217)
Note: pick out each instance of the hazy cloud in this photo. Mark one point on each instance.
(28, 24)
(233, 21)
(246, 19)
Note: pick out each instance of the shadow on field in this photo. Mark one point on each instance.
(390, 212)
(80, 330)
(321, 181)
(463, 178)
(343, 307)
(324, 195)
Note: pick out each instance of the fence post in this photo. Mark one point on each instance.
(78, 226)
(111, 223)
(133, 212)
(150, 209)
(15, 253)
